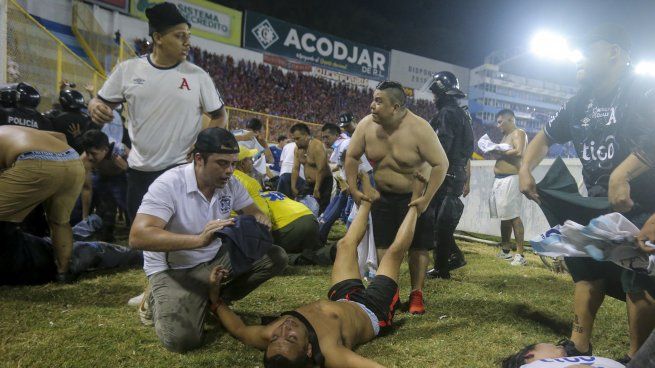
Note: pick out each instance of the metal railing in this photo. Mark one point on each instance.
(274, 125)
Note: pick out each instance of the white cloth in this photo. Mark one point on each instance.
(367, 256)
(338, 156)
(607, 238)
(174, 197)
(114, 129)
(287, 158)
(165, 108)
(486, 145)
(506, 199)
(591, 361)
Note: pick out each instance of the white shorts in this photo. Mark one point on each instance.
(506, 198)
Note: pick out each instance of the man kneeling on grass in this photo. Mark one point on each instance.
(324, 332)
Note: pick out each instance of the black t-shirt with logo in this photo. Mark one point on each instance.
(24, 117)
(605, 131)
(71, 123)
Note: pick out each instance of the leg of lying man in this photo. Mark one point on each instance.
(345, 264)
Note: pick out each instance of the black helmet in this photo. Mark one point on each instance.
(8, 95)
(13, 95)
(71, 99)
(345, 119)
(444, 83)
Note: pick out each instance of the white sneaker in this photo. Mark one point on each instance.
(145, 310)
(506, 256)
(518, 260)
(134, 302)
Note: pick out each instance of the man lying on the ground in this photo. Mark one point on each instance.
(564, 354)
(26, 259)
(324, 333)
(39, 167)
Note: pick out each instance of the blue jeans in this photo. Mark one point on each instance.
(110, 192)
(331, 214)
(284, 184)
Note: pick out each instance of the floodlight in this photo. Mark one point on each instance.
(645, 68)
(575, 56)
(552, 46)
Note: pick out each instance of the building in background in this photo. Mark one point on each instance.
(501, 83)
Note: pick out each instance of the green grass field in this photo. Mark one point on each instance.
(488, 310)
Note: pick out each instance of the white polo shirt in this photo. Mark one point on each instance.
(174, 197)
(286, 160)
(165, 107)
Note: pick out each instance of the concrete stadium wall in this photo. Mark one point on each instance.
(476, 204)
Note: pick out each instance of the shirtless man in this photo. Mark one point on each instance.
(323, 333)
(506, 199)
(399, 143)
(39, 167)
(311, 153)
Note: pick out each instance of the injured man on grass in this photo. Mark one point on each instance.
(324, 333)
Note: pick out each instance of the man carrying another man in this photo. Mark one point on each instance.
(176, 228)
(399, 143)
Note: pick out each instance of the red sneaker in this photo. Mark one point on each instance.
(416, 305)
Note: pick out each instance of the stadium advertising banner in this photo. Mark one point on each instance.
(340, 77)
(412, 70)
(271, 35)
(287, 64)
(208, 20)
(120, 5)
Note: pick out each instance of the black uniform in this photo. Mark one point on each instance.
(605, 131)
(67, 122)
(453, 127)
(24, 116)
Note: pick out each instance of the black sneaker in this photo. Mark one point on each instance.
(437, 274)
(456, 262)
(571, 350)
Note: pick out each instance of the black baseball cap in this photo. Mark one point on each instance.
(164, 16)
(608, 32)
(216, 140)
(345, 119)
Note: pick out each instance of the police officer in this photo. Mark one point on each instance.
(18, 104)
(453, 126)
(70, 119)
(348, 123)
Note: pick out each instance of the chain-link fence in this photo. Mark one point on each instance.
(104, 49)
(37, 57)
